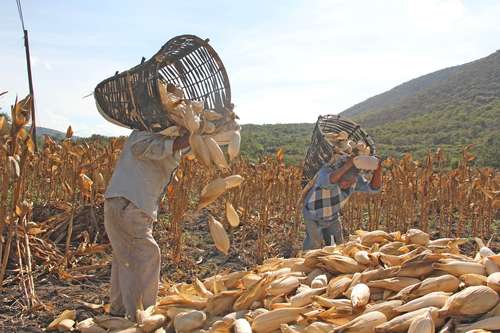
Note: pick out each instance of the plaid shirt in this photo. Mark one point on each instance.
(324, 200)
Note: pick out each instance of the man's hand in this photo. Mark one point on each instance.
(376, 181)
(181, 142)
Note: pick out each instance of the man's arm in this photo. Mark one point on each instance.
(155, 146)
(336, 175)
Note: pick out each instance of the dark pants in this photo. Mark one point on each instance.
(329, 233)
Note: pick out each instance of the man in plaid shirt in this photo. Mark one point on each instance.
(326, 195)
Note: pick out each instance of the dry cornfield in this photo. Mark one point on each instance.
(51, 204)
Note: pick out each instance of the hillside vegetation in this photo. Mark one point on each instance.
(449, 108)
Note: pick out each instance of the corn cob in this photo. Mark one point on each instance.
(365, 323)
(283, 286)
(152, 323)
(200, 149)
(242, 326)
(222, 302)
(233, 149)
(472, 279)
(490, 266)
(211, 192)
(494, 281)
(470, 301)
(416, 236)
(360, 295)
(219, 235)
(319, 281)
(458, 268)
(233, 181)
(215, 153)
(394, 284)
(435, 299)
(387, 308)
(338, 286)
(232, 215)
(272, 320)
(445, 283)
(402, 323)
(305, 298)
(188, 321)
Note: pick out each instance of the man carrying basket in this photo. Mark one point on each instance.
(325, 195)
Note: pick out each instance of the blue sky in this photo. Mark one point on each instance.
(288, 61)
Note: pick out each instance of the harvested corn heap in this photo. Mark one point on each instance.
(376, 282)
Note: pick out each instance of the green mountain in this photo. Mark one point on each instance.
(41, 131)
(449, 108)
(260, 140)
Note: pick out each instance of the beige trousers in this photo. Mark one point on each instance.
(135, 269)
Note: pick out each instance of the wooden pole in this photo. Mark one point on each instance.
(30, 81)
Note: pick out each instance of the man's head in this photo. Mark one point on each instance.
(349, 178)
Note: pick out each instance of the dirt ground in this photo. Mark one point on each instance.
(88, 292)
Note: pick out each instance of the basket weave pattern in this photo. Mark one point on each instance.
(131, 99)
(320, 150)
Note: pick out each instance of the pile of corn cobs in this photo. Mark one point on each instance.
(376, 282)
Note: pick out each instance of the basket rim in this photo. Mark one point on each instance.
(367, 138)
(153, 60)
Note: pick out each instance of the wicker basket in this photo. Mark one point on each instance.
(320, 150)
(131, 98)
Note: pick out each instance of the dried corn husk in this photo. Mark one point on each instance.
(470, 301)
(305, 297)
(445, 283)
(492, 324)
(219, 235)
(402, 323)
(459, 268)
(222, 302)
(233, 181)
(283, 286)
(338, 285)
(394, 284)
(434, 299)
(365, 323)
(362, 257)
(272, 320)
(377, 236)
(152, 323)
(388, 308)
(66, 314)
(416, 236)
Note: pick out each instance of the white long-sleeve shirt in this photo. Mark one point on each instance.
(145, 168)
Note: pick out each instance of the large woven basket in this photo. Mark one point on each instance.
(320, 150)
(131, 98)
